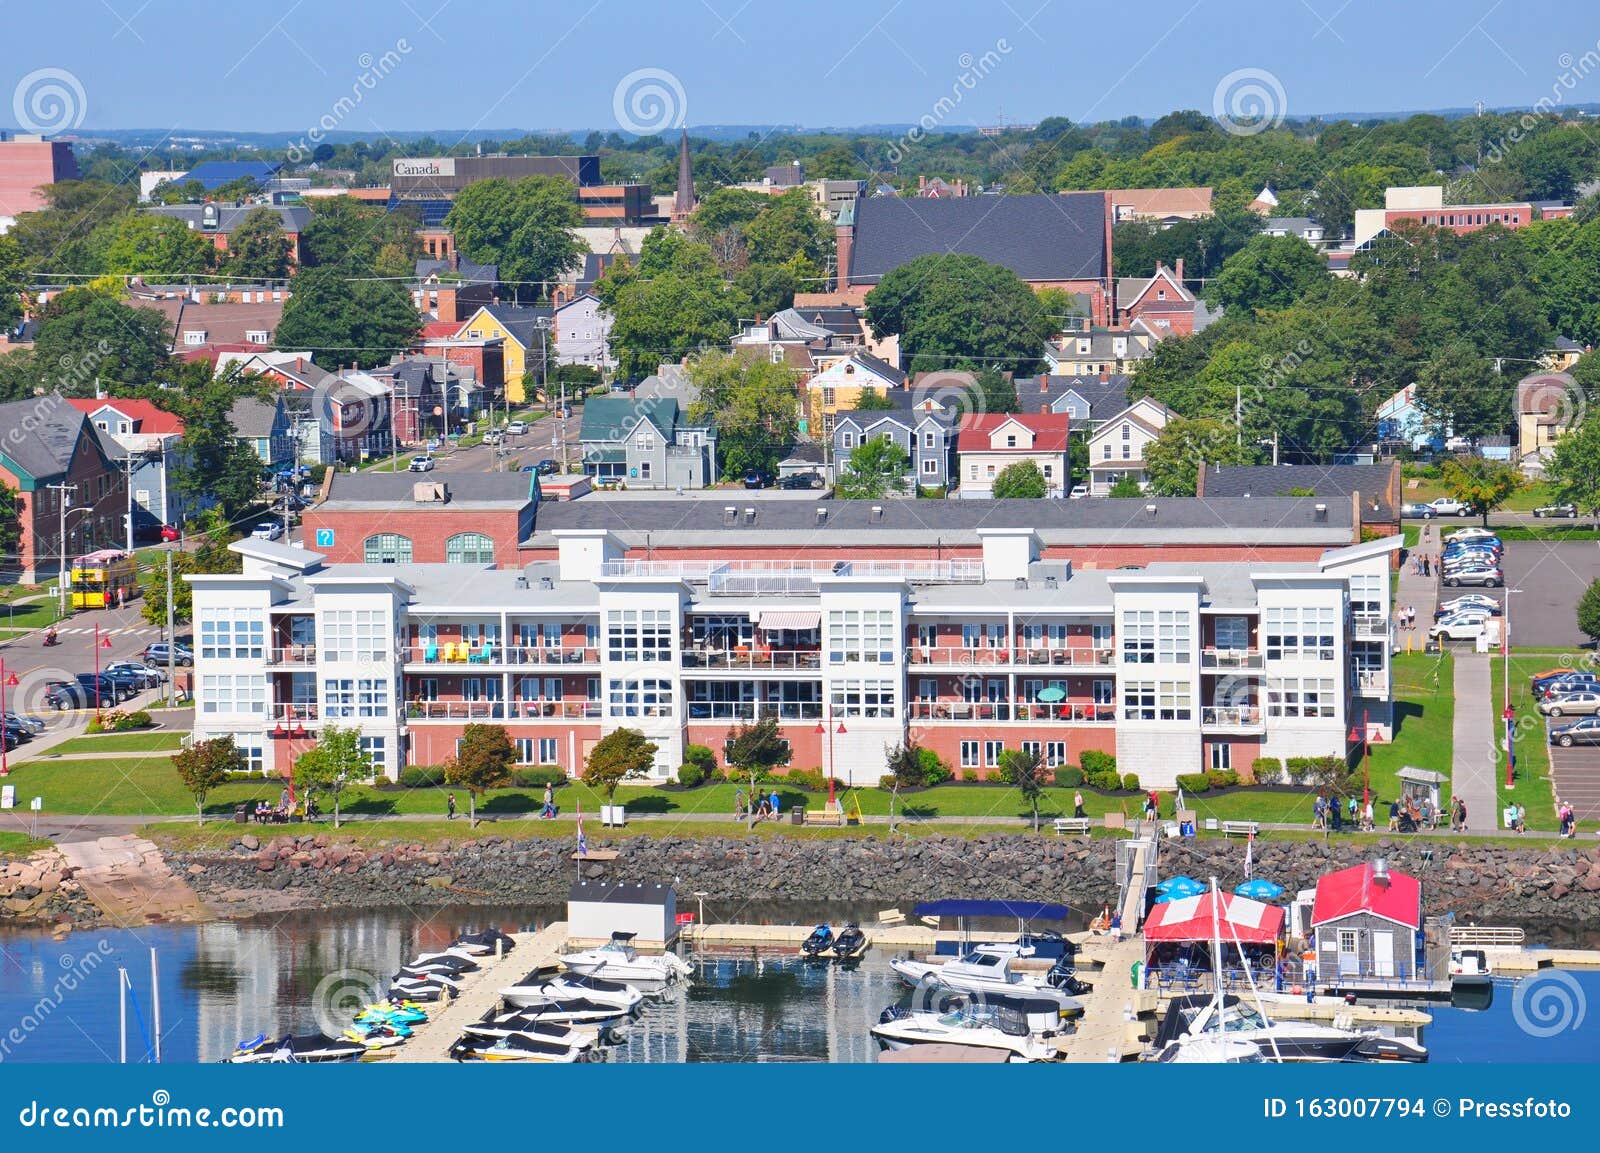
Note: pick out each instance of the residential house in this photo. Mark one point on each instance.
(803, 457)
(838, 387)
(1101, 351)
(525, 330)
(1313, 232)
(1548, 404)
(646, 443)
(1399, 419)
(484, 358)
(1162, 206)
(989, 443)
(264, 426)
(1564, 353)
(1367, 922)
(1056, 240)
(1154, 307)
(47, 444)
(146, 440)
(354, 418)
(429, 398)
(451, 290)
(922, 422)
(583, 333)
(207, 328)
(1089, 400)
(216, 222)
(1424, 204)
(1116, 448)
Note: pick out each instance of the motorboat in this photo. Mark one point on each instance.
(514, 1048)
(618, 960)
(567, 1010)
(820, 941)
(418, 990)
(309, 1047)
(1283, 1040)
(985, 969)
(454, 957)
(851, 942)
(483, 944)
(1044, 1016)
(1470, 967)
(619, 997)
(551, 1031)
(1210, 1049)
(406, 979)
(982, 1026)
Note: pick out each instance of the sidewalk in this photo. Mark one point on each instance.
(1472, 776)
(1417, 591)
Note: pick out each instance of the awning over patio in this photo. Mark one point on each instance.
(798, 619)
(1189, 919)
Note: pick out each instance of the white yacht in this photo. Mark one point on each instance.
(986, 969)
(981, 1027)
(538, 988)
(618, 960)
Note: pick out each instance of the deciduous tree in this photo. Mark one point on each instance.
(1021, 481)
(1172, 462)
(1484, 484)
(526, 226)
(204, 765)
(758, 749)
(752, 403)
(958, 311)
(483, 762)
(876, 468)
(258, 249)
(620, 755)
(347, 320)
(333, 765)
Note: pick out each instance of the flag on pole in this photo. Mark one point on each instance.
(1249, 852)
(1511, 743)
(583, 844)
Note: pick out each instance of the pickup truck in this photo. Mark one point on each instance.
(1446, 506)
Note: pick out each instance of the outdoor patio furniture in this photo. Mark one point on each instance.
(431, 651)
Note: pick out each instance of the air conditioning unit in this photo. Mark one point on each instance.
(430, 492)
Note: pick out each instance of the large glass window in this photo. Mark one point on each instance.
(469, 548)
(866, 635)
(355, 635)
(355, 697)
(1156, 701)
(640, 698)
(1172, 638)
(867, 698)
(1301, 697)
(232, 695)
(232, 634)
(1139, 637)
(1299, 633)
(387, 548)
(639, 634)
(1366, 594)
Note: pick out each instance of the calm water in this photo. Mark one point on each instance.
(230, 980)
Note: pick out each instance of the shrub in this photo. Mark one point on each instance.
(538, 776)
(1194, 782)
(934, 769)
(1222, 778)
(138, 719)
(701, 758)
(1266, 768)
(971, 776)
(1068, 777)
(1130, 782)
(422, 777)
(1106, 780)
(811, 780)
(886, 782)
(691, 775)
(1094, 761)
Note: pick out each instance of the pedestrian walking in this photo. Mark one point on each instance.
(738, 804)
(549, 811)
(450, 807)
(1520, 821)
(1427, 565)
(1367, 819)
(1077, 804)
(777, 804)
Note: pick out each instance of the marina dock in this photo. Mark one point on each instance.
(1532, 960)
(482, 992)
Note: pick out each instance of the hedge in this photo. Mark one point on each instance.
(1068, 777)
(690, 774)
(1094, 761)
(1194, 782)
(1267, 769)
(422, 777)
(1106, 780)
(1130, 782)
(701, 758)
(538, 776)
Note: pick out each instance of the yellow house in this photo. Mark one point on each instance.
(837, 388)
(529, 334)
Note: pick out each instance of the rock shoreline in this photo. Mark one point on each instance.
(1536, 884)
(40, 892)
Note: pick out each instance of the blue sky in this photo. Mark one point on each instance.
(283, 65)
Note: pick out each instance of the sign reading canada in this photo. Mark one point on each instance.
(443, 167)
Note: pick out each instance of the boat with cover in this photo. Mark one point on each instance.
(986, 969)
(535, 987)
(450, 964)
(568, 1010)
(484, 943)
(618, 960)
(308, 1047)
(419, 990)
(980, 1025)
(551, 1031)
(1044, 1016)
(514, 1048)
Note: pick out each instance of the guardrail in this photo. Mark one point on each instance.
(1232, 659)
(754, 710)
(293, 655)
(460, 653)
(1230, 716)
(754, 659)
(960, 656)
(984, 711)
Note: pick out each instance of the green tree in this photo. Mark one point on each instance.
(620, 755)
(1460, 394)
(992, 391)
(144, 244)
(10, 521)
(958, 311)
(55, 239)
(1484, 484)
(211, 556)
(752, 404)
(86, 338)
(333, 765)
(1268, 272)
(526, 226)
(1125, 487)
(906, 770)
(1589, 611)
(876, 468)
(1574, 467)
(204, 765)
(758, 749)
(212, 461)
(1021, 481)
(674, 302)
(719, 222)
(1172, 462)
(483, 762)
(1024, 771)
(360, 321)
(363, 238)
(258, 249)
(13, 280)
(789, 227)
(871, 400)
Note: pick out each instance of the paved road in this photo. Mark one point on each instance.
(1473, 775)
(532, 446)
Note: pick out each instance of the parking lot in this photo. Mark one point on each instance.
(1575, 776)
(1549, 577)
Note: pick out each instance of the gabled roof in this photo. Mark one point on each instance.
(1105, 398)
(1324, 481)
(147, 419)
(469, 272)
(1049, 431)
(1357, 890)
(1131, 289)
(53, 431)
(520, 321)
(612, 418)
(252, 417)
(1055, 236)
(879, 368)
(1161, 202)
(1131, 413)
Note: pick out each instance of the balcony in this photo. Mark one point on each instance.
(293, 712)
(810, 711)
(763, 660)
(1369, 682)
(1232, 660)
(964, 657)
(987, 712)
(499, 656)
(1238, 718)
(1369, 626)
(456, 710)
(554, 710)
(293, 655)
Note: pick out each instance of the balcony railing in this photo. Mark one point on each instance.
(762, 659)
(554, 710)
(293, 655)
(1230, 717)
(293, 712)
(982, 712)
(460, 653)
(1369, 625)
(798, 575)
(961, 656)
(754, 710)
(1368, 679)
(456, 710)
(1232, 659)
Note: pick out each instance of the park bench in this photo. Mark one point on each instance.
(827, 815)
(1071, 825)
(1241, 829)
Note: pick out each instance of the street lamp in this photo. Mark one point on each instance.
(100, 642)
(7, 680)
(826, 726)
(1366, 736)
(1508, 714)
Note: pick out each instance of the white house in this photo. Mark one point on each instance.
(1116, 448)
(583, 333)
(989, 443)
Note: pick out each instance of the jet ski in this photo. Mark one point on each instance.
(392, 1015)
(311, 1047)
(820, 941)
(513, 1048)
(850, 942)
(484, 943)
(420, 991)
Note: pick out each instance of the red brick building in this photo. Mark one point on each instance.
(45, 442)
(422, 518)
(27, 164)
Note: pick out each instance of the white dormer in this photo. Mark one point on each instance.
(194, 336)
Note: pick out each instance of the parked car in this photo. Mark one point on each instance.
(17, 729)
(112, 690)
(62, 695)
(268, 530)
(1469, 601)
(517, 427)
(1483, 577)
(1566, 510)
(1546, 681)
(149, 675)
(1416, 510)
(547, 467)
(1575, 684)
(1584, 732)
(1458, 628)
(1446, 506)
(756, 478)
(156, 653)
(24, 722)
(11, 740)
(420, 464)
(1079, 492)
(128, 683)
(1473, 533)
(169, 533)
(801, 480)
(1582, 702)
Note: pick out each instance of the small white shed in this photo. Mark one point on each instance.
(597, 909)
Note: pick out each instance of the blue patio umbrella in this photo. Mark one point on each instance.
(1260, 890)
(1050, 694)
(1176, 888)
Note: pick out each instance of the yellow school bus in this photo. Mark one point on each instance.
(97, 578)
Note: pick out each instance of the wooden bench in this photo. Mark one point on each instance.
(827, 815)
(1071, 825)
(1241, 829)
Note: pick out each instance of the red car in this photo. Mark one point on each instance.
(169, 534)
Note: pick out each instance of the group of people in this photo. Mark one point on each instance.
(1569, 818)
(1408, 616)
(1331, 814)
(766, 805)
(1422, 564)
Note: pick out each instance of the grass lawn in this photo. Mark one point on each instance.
(1534, 791)
(162, 740)
(34, 615)
(19, 845)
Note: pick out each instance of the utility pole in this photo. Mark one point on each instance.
(561, 426)
(64, 501)
(171, 637)
(1274, 448)
(1238, 413)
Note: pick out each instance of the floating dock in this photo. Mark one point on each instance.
(1510, 961)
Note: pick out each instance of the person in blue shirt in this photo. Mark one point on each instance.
(776, 802)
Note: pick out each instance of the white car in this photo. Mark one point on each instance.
(1459, 627)
(1465, 534)
(421, 464)
(1079, 492)
(1447, 506)
(1573, 703)
(268, 530)
(517, 427)
(1469, 602)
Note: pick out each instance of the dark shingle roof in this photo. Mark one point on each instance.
(1331, 483)
(1040, 237)
(291, 217)
(521, 321)
(608, 418)
(252, 417)
(41, 434)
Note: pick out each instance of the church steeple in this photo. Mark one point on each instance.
(683, 203)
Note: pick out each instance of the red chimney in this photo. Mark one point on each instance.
(922, 183)
(1044, 382)
(1178, 268)
(1105, 373)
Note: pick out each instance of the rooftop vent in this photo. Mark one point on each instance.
(822, 516)
(1320, 512)
(430, 492)
(1380, 872)
(749, 514)
(876, 513)
(1151, 509)
(546, 583)
(1021, 583)
(521, 581)
(730, 515)
(1051, 582)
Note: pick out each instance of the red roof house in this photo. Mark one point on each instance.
(1367, 924)
(989, 443)
(1368, 889)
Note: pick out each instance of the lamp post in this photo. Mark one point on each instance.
(1508, 714)
(7, 680)
(1365, 736)
(826, 726)
(100, 642)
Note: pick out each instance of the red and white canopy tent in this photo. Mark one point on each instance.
(1189, 921)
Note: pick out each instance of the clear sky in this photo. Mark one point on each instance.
(284, 65)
